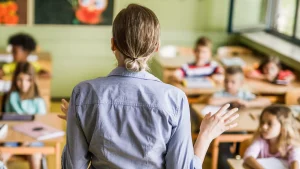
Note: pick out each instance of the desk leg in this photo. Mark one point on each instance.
(57, 156)
(215, 153)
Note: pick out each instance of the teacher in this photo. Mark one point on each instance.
(130, 119)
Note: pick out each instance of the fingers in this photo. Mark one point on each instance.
(65, 103)
(228, 127)
(231, 118)
(222, 110)
(63, 109)
(62, 117)
(229, 113)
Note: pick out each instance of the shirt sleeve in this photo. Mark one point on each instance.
(41, 106)
(294, 155)
(13, 103)
(180, 152)
(249, 96)
(253, 150)
(218, 94)
(75, 154)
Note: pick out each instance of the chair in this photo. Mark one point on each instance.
(226, 51)
(292, 97)
(243, 146)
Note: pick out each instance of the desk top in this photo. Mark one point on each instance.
(49, 119)
(245, 121)
(253, 85)
(235, 164)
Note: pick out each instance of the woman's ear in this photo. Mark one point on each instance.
(113, 46)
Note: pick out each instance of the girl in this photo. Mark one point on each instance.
(24, 98)
(276, 137)
(270, 70)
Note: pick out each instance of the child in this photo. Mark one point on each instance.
(24, 98)
(234, 78)
(270, 70)
(203, 65)
(22, 46)
(276, 137)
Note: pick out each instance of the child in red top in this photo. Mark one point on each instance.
(270, 70)
(203, 66)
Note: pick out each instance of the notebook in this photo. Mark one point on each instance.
(271, 163)
(233, 61)
(38, 130)
(198, 82)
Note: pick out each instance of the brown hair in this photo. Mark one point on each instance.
(269, 59)
(26, 68)
(289, 135)
(232, 70)
(136, 32)
(203, 41)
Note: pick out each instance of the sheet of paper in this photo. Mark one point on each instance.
(272, 163)
(234, 61)
(198, 83)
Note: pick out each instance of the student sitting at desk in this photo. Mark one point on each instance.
(234, 78)
(22, 46)
(270, 70)
(203, 65)
(276, 137)
(24, 98)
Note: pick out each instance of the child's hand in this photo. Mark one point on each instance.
(64, 108)
(214, 125)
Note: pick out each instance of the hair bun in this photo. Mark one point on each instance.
(134, 64)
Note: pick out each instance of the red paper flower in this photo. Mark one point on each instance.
(11, 19)
(12, 7)
(3, 9)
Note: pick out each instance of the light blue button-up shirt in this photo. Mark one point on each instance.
(128, 120)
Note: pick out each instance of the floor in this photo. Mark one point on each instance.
(19, 163)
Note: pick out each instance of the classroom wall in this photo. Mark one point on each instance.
(83, 52)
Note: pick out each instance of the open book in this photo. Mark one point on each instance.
(272, 163)
(38, 130)
(209, 108)
(198, 82)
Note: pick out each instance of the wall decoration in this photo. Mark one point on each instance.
(75, 12)
(13, 12)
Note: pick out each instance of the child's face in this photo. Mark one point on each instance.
(24, 82)
(19, 54)
(233, 83)
(271, 69)
(270, 126)
(203, 54)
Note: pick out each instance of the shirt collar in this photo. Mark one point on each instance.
(122, 71)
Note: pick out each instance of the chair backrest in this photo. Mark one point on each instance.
(243, 146)
(225, 51)
(292, 97)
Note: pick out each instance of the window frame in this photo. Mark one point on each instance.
(270, 21)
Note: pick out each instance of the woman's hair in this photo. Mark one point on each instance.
(136, 33)
(289, 135)
(269, 59)
(24, 40)
(203, 42)
(26, 68)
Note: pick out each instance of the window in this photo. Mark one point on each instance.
(279, 17)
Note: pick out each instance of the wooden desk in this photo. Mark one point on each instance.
(245, 123)
(14, 136)
(235, 164)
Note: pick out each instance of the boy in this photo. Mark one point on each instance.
(203, 65)
(232, 93)
(233, 82)
(22, 46)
